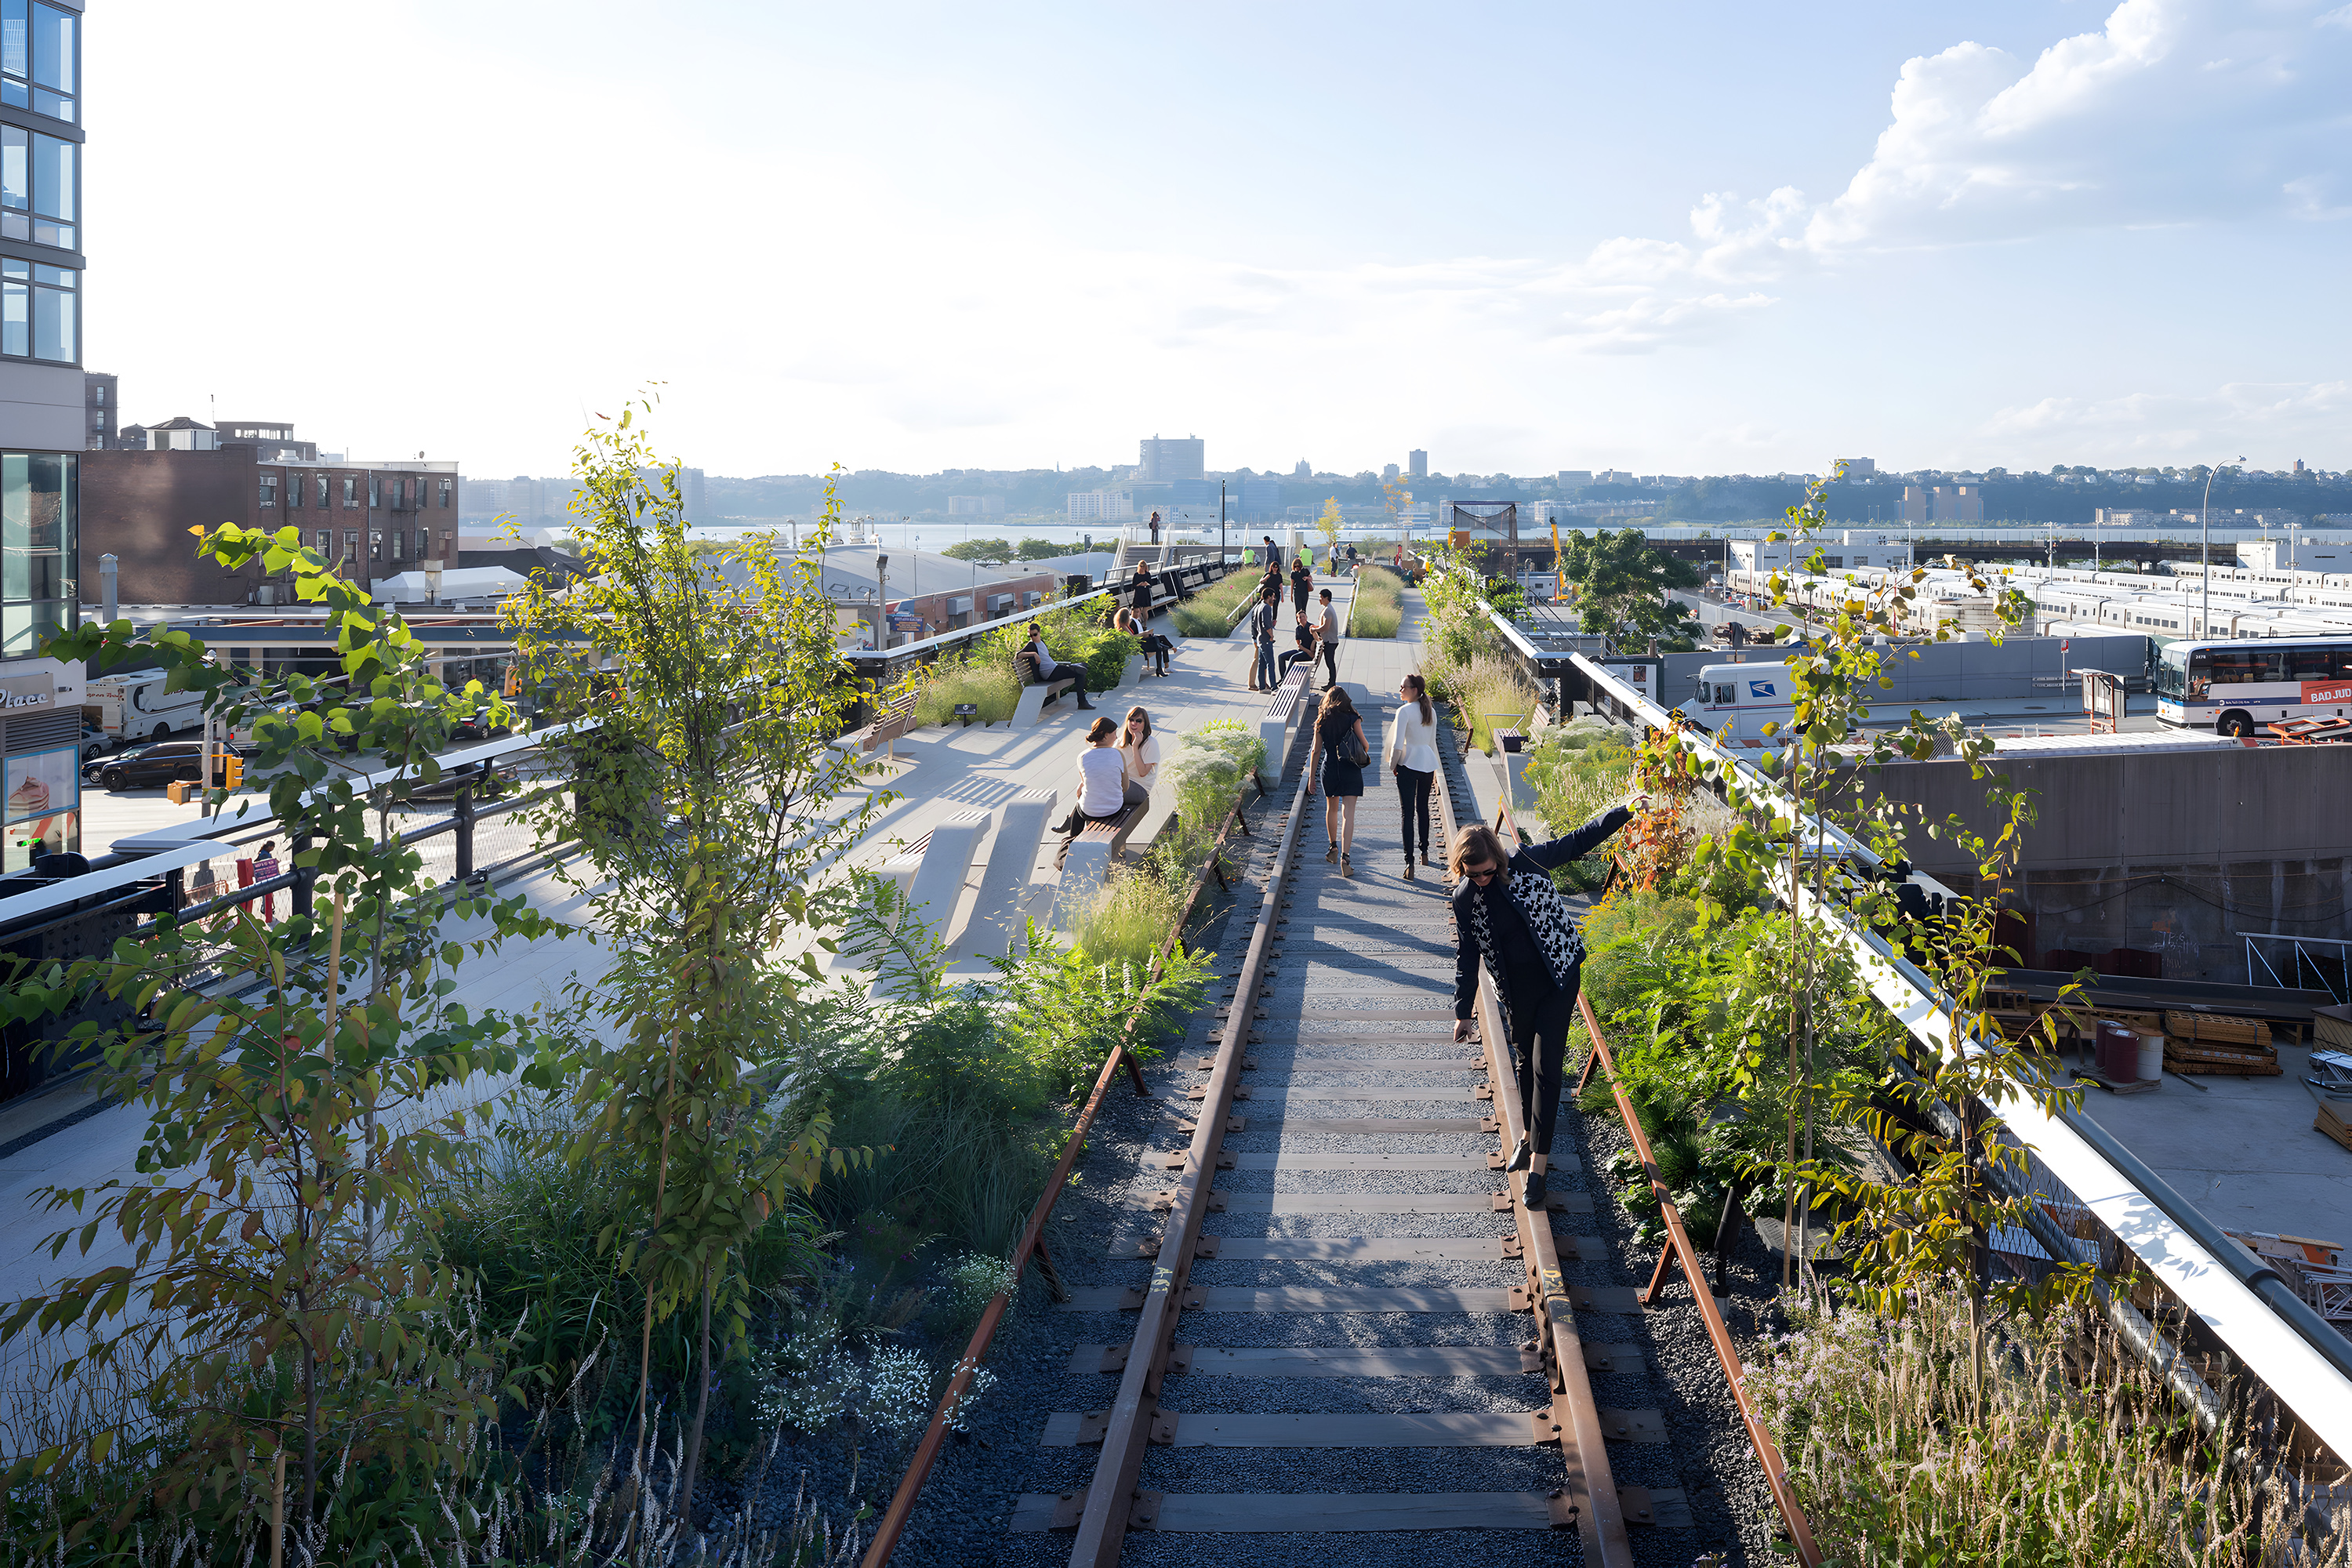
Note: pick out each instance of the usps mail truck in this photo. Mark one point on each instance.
(1736, 701)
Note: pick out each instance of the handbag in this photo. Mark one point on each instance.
(1352, 751)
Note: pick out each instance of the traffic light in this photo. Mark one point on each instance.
(234, 776)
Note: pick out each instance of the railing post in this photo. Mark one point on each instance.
(464, 833)
(306, 877)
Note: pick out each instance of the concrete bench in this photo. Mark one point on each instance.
(1280, 722)
(933, 878)
(1008, 896)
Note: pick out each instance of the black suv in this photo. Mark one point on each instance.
(161, 763)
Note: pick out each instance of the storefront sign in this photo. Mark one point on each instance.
(27, 692)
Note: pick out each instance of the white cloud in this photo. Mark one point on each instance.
(2272, 416)
(2172, 112)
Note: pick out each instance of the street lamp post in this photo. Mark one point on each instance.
(2205, 551)
(1221, 524)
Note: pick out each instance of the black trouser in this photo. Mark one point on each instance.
(1329, 653)
(1075, 672)
(1541, 1015)
(1298, 597)
(1413, 796)
(1297, 655)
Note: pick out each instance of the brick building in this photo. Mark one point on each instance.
(383, 518)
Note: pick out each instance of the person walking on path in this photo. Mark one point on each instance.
(1141, 584)
(1342, 755)
(1510, 920)
(1302, 584)
(1327, 633)
(1262, 623)
(1412, 758)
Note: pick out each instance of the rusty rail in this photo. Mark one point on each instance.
(918, 1469)
(1134, 1412)
(1768, 1454)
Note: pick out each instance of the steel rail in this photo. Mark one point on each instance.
(1590, 1485)
(1134, 1413)
(919, 1467)
(1768, 1454)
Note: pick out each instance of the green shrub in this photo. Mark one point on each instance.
(990, 686)
(1579, 772)
(1377, 612)
(1940, 1438)
(1203, 615)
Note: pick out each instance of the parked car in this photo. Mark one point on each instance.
(149, 767)
(476, 728)
(95, 743)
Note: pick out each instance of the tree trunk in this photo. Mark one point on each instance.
(684, 1505)
(310, 1430)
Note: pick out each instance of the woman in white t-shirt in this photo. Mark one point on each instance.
(1141, 751)
(1412, 757)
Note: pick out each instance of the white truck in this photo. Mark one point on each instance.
(1736, 701)
(133, 709)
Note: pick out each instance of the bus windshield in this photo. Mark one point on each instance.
(2172, 671)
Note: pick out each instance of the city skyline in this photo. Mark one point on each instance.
(1959, 242)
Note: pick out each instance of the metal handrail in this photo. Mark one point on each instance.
(2305, 1362)
(1767, 1453)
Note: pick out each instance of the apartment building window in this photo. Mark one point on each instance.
(351, 499)
(325, 541)
(40, 58)
(352, 543)
(399, 543)
(376, 544)
(374, 502)
(322, 492)
(39, 530)
(444, 495)
(294, 492)
(269, 491)
(39, 313)
(40, 189)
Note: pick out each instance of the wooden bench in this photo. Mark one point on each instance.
(1034, 694)
(894, 718)
(1086, 862)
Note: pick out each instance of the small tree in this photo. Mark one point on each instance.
(281, 1280)
(1900, 1233)
(987, 551)
(1621, 587)
(709, 807)
(1328, 524)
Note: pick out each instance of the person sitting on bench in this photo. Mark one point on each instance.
(1156, 647)
(1304, 635)
(1051, 670)
(1104, 788)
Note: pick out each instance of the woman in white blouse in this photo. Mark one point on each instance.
(1412, 757)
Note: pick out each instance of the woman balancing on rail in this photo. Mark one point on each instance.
(1508, 917)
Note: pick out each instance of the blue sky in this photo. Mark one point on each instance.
(1699, 238)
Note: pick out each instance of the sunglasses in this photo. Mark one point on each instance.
(1480, 873)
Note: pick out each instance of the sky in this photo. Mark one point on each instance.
(1702, 238)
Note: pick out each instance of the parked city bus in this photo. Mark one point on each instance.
(2236, 687)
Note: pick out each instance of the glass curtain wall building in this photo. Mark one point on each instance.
(42, 422)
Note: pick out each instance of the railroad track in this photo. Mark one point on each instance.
(1348, 1327)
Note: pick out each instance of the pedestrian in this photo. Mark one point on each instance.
(1261, 621)
(1141, 752)
(1510, 921)
(1412, 757)
(1304, 635)
(1327, 635)
(1302, 583)
(265, 868)
(1051, 670)
(1343, 752)
(1141, 586)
